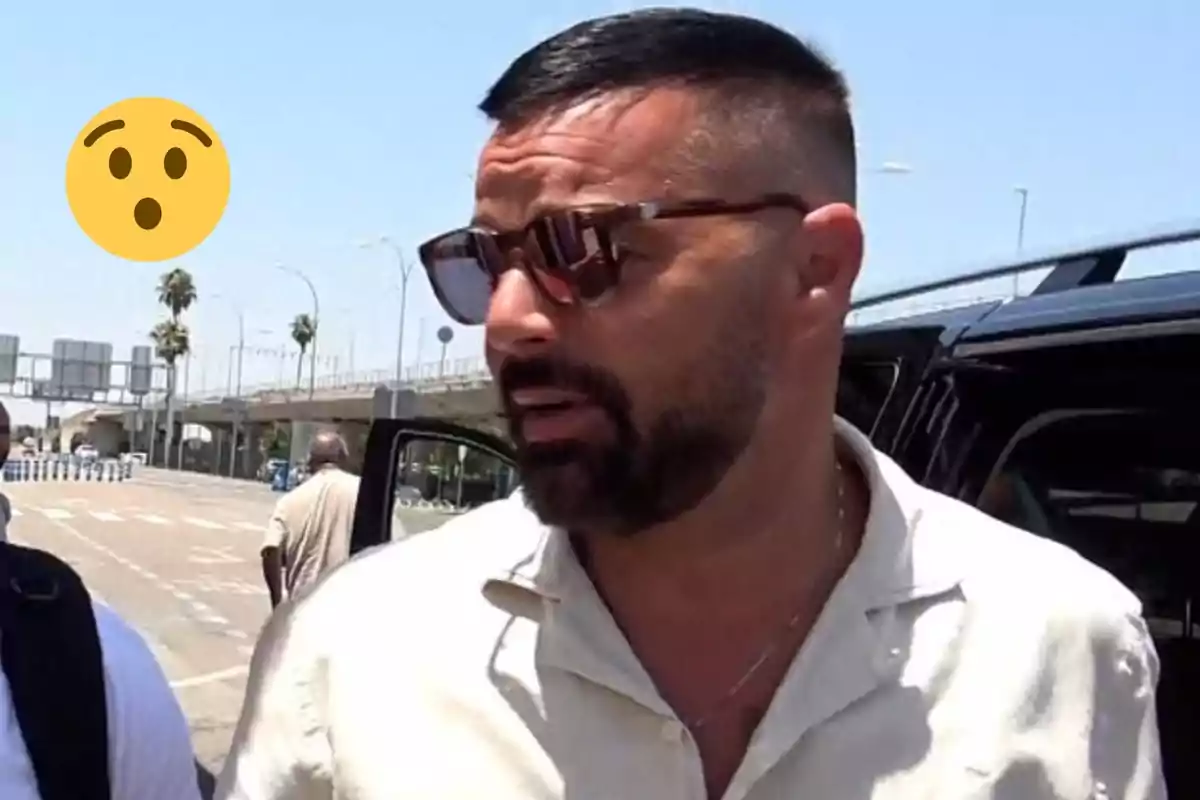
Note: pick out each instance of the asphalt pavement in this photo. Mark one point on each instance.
(176, 554)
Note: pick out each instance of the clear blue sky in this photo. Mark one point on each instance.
(354, 119)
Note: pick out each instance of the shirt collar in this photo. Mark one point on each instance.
(900, 558)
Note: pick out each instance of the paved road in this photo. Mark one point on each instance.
(176, 554)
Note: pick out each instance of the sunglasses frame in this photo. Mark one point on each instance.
(497, 246)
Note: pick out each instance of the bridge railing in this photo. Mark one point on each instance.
(454, 373)
(432, 376)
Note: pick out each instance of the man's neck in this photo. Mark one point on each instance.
(722, 560)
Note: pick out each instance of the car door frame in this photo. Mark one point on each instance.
(385, 441)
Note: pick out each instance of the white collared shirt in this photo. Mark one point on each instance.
(149, 744)
(957, 658)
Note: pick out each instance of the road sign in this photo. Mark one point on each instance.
(79, 369)
(140, 370)
(381, 403)
(10, 348)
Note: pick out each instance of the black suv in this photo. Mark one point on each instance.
(1072, 412)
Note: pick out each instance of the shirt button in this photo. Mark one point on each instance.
(671, 731)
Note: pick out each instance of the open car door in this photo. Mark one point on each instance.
(387, 443)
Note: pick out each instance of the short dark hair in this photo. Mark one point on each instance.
(752, 65)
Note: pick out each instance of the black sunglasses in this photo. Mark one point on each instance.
(569, 255)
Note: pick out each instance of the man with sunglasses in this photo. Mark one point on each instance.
(708, 586)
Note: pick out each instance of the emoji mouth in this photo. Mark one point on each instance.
(147, 213)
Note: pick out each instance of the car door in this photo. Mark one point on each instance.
(883, 369)
(387, 442)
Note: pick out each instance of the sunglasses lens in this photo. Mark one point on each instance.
(569, 255)
(460, 270)
(576, 259)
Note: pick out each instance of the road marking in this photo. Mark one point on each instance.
(214, 555)
(211, 677)
(205, 613)
(106, 516)
(202, 612)
(204, 523)
(56, 513)
(250, 526)
(210, 584)
(153, 519)
(16, 512)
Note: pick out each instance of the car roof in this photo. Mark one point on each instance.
(1081, 291)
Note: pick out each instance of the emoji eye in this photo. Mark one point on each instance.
(120, 163)
(175, 163)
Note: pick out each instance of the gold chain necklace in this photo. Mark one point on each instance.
(775, 643)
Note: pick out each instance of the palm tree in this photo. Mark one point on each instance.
(176, 291)
(304, 330)
(171, 342)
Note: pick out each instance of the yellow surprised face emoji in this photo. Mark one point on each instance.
(147, 179)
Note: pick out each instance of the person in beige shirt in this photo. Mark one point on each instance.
(309, 530)
(708, 586)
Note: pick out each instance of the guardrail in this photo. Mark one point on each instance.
(50, 470)
(434, 376)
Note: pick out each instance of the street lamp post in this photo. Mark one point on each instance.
(405, 271)
(187, 369)
(352, 335)
(240, 348)
(312, 354)
(237, 391)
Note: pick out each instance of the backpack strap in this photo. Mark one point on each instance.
(51, 656)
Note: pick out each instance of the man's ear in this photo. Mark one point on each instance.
(833, 239)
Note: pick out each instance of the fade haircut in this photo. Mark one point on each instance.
(768, 93)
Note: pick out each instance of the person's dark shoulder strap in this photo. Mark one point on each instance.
(51, 656)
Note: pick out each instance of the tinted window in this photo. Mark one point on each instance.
(1122, 489)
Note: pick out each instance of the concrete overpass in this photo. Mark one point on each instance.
(458, 389)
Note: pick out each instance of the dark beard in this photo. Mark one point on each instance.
(632, 481)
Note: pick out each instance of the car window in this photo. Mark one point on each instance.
(419, 473)
(436, 480)
(1122, 488)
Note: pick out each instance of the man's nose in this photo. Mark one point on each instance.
(520, 319)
